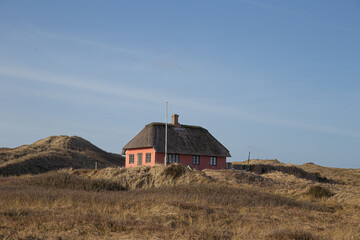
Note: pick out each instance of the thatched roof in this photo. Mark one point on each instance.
(186, 139)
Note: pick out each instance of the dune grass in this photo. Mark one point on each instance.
(165, 203)
(53, 153)
(319, 192)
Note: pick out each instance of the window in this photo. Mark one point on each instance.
(196, 160)
(212, 161)
(139, 160)
(131, 158)
(148, 158)
(173, 158)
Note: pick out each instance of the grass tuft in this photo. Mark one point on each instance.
(65, 180)
(291, 235)
(174, 170)
(319, 192)
(30, 237)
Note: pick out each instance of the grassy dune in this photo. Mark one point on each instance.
(176, 203)
(54, 153)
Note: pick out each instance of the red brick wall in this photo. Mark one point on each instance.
(188, 160)
(158, 158)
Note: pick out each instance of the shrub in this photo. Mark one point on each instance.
(319, 192)
(174, 170)
(296, 171)
(291, 235)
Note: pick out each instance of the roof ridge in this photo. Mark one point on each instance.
(172, 125)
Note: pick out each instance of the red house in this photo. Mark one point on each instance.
(188, 145)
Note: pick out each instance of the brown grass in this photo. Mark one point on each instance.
(267, 166)
(54, 153)
(147, 177)
(171, 203)
(341, 175)
(291, 235)
(320, 192)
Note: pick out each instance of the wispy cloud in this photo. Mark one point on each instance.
(75, 82)
(312, 127)
(243, 113)
(146, 56)
(238, 112)
(91, 43)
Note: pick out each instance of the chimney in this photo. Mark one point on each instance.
(175, 120)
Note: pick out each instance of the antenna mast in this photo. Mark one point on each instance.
(166, 121)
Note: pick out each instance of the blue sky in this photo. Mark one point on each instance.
(278, 78)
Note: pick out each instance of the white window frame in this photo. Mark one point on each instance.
(213, 161)
(196, 160)
(131, 158)
(173, 158)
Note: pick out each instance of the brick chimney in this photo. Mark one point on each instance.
(175, 120)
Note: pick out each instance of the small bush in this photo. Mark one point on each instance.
(319, 192)
(174, 170)
(30, 237)
(291, 235)
(14, 213)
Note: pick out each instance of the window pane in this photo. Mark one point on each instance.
(173, 158)
(196, 160)
(213, 161)
(148, 157)
(131, 158)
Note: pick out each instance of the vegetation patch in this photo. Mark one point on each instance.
(319, 192)
(65, 180)
(55, 153)
(50, 206)
(296, 171)
(291, 235)
(174, 170)
(14, 213)
(145, 177)
(174, 202)
(30, 237)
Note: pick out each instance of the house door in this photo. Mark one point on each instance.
(139, 162)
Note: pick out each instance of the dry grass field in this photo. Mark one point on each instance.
(178, 203)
